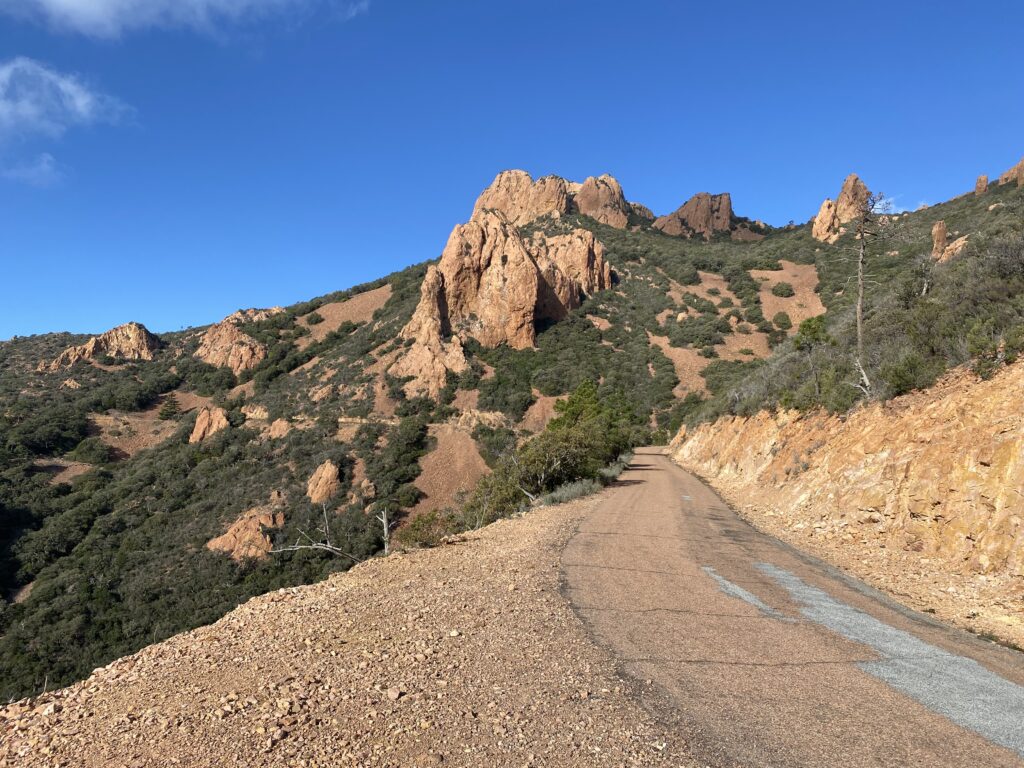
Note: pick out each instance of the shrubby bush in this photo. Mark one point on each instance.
(784, 290)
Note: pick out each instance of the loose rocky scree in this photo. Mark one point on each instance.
(466, 654)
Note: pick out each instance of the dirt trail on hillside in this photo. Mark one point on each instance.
(464, 655)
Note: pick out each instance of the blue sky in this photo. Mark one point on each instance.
(169, 161)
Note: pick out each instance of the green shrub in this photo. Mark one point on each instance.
(782, 321)
(314, 318)
(784, 290)
(572, 490)
(93, 450)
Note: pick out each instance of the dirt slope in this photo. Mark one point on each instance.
(463, 655)
(920, 497)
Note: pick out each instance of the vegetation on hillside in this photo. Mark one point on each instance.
(115, 558)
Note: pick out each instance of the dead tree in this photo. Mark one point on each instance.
(384, 518)
(322, 544)
(869, 227)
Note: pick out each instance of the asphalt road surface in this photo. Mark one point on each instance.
(759, 655)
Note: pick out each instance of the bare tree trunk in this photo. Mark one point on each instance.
(385, 521)
(861, 255)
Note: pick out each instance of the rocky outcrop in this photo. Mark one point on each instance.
(703, 214)
(493, 286)
(938, 239)
(953, 250)
(641, 212)
(601, 199)
(434, 350)
(937, 472)
(981, 185)
(209, 421)
(324, 483)
(225, 345)
(490, 282)
(253, 315)
(522, 199)
(245, 539)
(825, 226)
(1016, 173)
(941, 250)
(571, 266)
(828, 224)
(131, 341)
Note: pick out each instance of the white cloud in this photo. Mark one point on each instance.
(109, 18)
(43, 171)
(38, 101)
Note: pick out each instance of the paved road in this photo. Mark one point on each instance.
(762, 656)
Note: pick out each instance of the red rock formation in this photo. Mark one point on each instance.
(641, 211)
(703, 214)
(1016, 173)
(522, 199)
(981, 186)
(831, 216)
(324, 483)
(938, 239)
(226, 345)
(938, 471)
(493, 286)
(245, 538)
(572, 266)
(209, 421)
(130, 341)
(434, 350)
(601, 199)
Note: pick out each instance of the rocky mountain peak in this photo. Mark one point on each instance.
(601, 199)
(131, 341)
(515, 194)
(828, 224)
(703, 214)
(494, 286)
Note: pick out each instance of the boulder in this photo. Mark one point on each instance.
(981, 185)
(245, 538)
(703, 214)
(131, 341)
(209, 421)
(324, 483)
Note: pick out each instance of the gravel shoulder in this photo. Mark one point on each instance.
(467, 654)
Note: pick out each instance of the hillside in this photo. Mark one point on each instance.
(149, 482)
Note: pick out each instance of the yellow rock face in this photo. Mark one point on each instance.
(939, 472)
